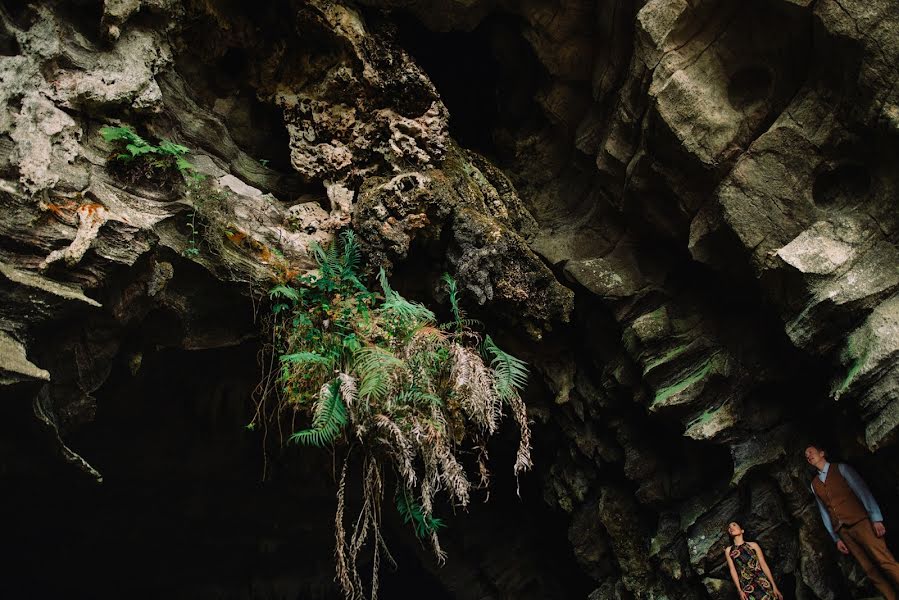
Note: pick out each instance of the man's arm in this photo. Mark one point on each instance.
(861, 490)
(825, 516)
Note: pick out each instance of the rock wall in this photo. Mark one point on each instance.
(682, 214)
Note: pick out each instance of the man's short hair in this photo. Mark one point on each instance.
(817, 445)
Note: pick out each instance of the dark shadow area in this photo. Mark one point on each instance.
(487, 78)
(181, 512)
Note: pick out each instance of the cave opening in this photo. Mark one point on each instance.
(183, 510)
(487, 77)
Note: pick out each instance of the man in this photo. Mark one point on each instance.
(853, 519)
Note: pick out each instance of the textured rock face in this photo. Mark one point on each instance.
(687, 223)
(750, 135)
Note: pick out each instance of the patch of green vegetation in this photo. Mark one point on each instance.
(850, 375)
(133, 147)
(163, 166)
(209, 220)
(412, 512)
(375, 376)
(193, 247)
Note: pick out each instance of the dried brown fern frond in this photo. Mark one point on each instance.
(399, 448)
(475, 385)
(520, 414)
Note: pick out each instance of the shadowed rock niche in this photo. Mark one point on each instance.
(488, 77)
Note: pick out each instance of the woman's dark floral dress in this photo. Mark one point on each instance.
(752, 580)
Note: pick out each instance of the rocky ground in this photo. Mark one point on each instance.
(681, 214)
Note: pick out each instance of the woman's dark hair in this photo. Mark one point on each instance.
(739, 520)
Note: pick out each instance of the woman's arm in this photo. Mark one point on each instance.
(764, 565)
(733, 573)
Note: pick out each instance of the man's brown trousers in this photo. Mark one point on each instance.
(872, 554)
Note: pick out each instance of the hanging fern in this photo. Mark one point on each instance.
(329, 419)
(284, 291)
(460, 322)
(411, 512)
(452, 290)
(377, 375)
(375, 366)
(511, 373)
(405, 311)
(350, 259)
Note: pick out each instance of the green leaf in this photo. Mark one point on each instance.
(411, 512)
(328, 421)
(137, 150)
(125, 134)
(168, 147)
(511, 373)
(454, 299)
(374, 366)
(411, 314)
(306, 358)
(284, 291)
(183, 164)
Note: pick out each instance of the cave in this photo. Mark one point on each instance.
(640, 256)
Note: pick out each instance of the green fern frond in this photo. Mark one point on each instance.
(307, 358)
(409, 312)
(375, 366)
(431, 399)
(411, 512)
(284, 291)
(122, 134)
(453, 290)
(350, 258)
(184, 164)
(167, 147)
(136, 150)
(461, 323)
(328, 421)
(318, 254)
(511, 373)
(332, 258)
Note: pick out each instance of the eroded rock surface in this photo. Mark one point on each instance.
(685, 219)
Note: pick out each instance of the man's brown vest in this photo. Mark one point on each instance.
(841, 502)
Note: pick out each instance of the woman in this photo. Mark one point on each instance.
(748, 568)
